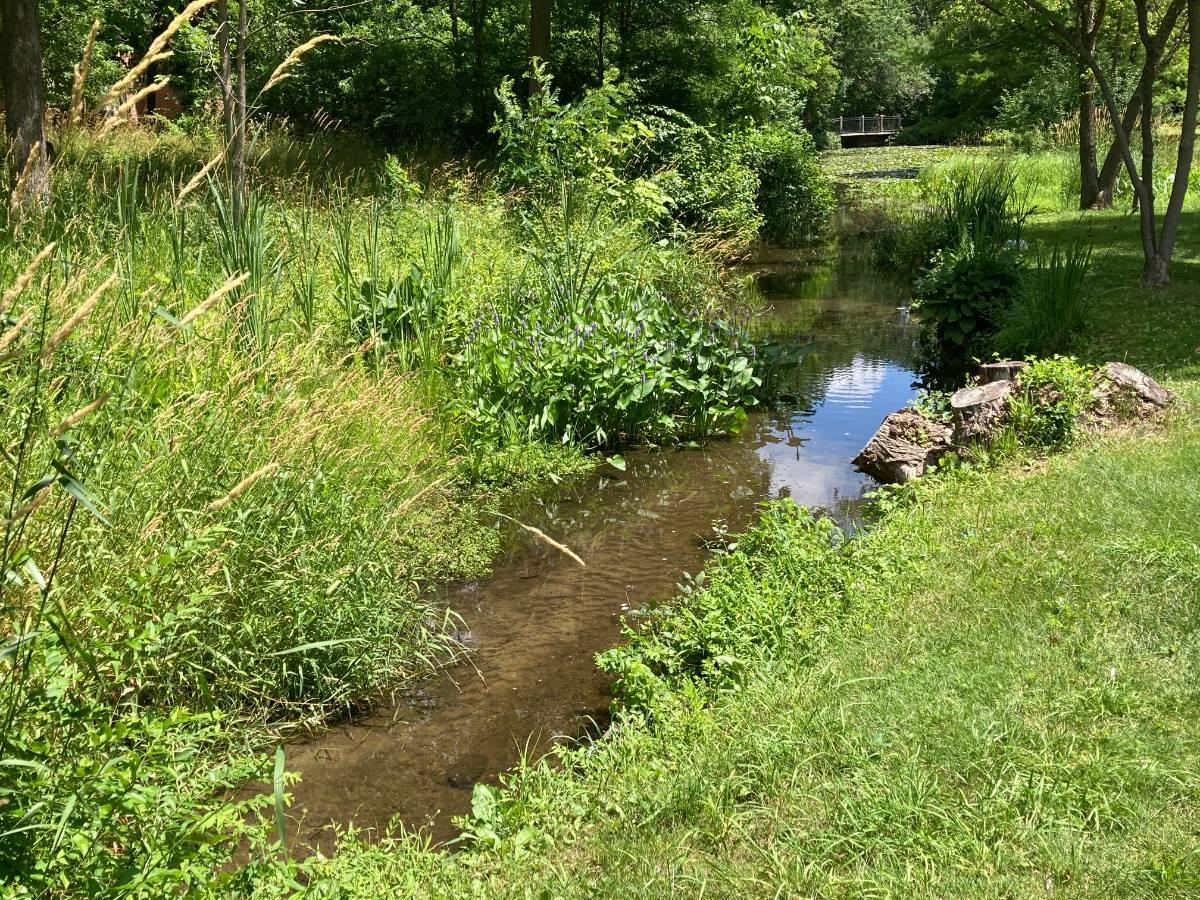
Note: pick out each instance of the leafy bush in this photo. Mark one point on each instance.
(962, 299)
(593, 143)
(1051, 307)
(713, 192)
(626, 365)
(795, 197)
(1053, 395)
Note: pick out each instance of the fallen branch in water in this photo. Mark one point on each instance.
(537, 532)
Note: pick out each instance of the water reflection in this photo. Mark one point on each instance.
(536, 623)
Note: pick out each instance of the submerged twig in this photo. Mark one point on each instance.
(538, 533)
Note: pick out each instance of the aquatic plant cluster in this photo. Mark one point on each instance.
(630, 367)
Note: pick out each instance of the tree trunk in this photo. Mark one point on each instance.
(237, 147)
(979, 411)
(624, 34)
(1187, 147)
(478, 24)
(25, 104)
(1089, 177)
(1111, 169)
(1089, 23)
(539, 40)
(601, 35)
(225, 73)
(905, 447)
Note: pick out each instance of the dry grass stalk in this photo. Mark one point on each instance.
(28, 509)
(417, 498)
(199, 177)
(242, 486)
(13, 334)
(17, 200)
(281, 71)
(72, 323)
(80, 414)
(223, 291)
(25, 277)
(122, 114)
(81, 74)
(541, 535)
(156, 52)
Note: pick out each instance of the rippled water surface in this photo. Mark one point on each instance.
(535, 625)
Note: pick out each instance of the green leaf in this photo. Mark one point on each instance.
(73, 487)
(617, 461)
(316, 645)
(277, 780)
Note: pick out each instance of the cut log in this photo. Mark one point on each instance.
(1125, 377)
(979, 410)
(904, 447)
(1007, 370)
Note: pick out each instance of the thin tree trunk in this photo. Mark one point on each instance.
(539, 40)
(1147, 210)
(237, 150)
(1158, 274)
(454, 24)
(478, 24)
(624, 34)
(225, 73)
(25, 103)
(601, 35)
(1090, 22)
(1112, 160)
(1089, 176)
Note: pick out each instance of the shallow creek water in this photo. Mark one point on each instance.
(537, 622)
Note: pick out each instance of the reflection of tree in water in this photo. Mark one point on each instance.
(837, 311)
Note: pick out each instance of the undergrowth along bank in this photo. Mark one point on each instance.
(246, 434)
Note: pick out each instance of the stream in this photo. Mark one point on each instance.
(538, 621)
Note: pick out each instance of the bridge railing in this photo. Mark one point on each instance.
(878, 124)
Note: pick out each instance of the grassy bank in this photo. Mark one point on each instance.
(244, 436)
(991, 693)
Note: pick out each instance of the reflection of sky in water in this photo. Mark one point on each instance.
(809, 453)
(859, 348)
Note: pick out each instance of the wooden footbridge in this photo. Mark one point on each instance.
(866, 129)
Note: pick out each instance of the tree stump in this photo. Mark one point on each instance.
(906, 444)
(979, 410)
(1126, 377)
(1007, 370)
(1124, 393)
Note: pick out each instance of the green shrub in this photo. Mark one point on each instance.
(1051, 307)
(962, 299)
(1053, 394)
(783, 580)
(713, 192)
(624, 366)
(592, 144)
(795, 197)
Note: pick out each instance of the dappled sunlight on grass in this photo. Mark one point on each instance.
(1157, 329)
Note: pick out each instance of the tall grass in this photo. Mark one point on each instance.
(984, 203)
(1052, 307)
(213, 516)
